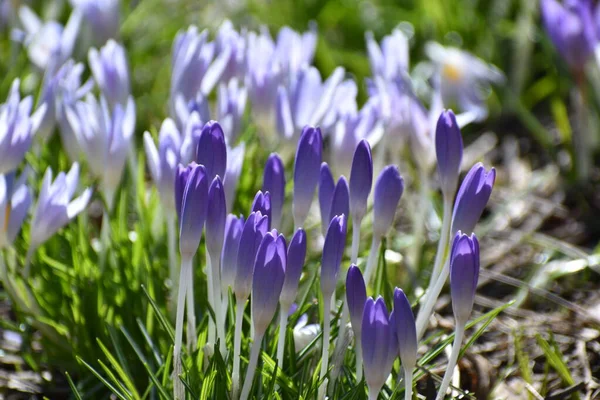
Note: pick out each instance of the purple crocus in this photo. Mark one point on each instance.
(102, 18)
(296, 256)
(262, 203)
(326, 189)
(391, 59)
(212, 150)
(388, 190)
(340, 201)
(361, 180)
(472, 198)
(406, 330)
(379, 344)
(235, 161)
(464, 273)
(255, 228)
(111, 72)
(231, 244)
(191, 194)
(274, 183)
(449, 151)
(231, 104)
(333, 251)
(268, 278)
(15, 200)
(216, 218)
(356, 295)
(163, 161)
(306, 171)
(54, 208)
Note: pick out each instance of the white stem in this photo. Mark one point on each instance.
(426, 310)
(172, 249)
(218, 297)
(211, 299)
(408, 379)
(372, 260)
(359, 358)
(237, 344)
(254, 352)
(326, 334)
(419, 220)
(444, 238)
(283, 320)
(458, 337)
(192, 341)
(178, 388)
(355, 240)
(105, 235)
(373, 395)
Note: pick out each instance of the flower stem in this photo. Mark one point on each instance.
(419, 221)
(218, 303)
(359, 358)
(408, 380)
(326, 334)
(237, 344)
(458, 337)
(254, 352)
(372, 260)
(192, 341)
(172, 249)
(211, 299)
(373, 395)
(178, 388)
(427, 308)
(283, 320)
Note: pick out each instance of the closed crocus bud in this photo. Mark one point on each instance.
(262, 203)
(388, 190)
(191, 188)
(54, 208)
(472, 198)
(235, 161)
(16, 127)
(212, 151)
(163, 161)
(379, 344)
(231, 244)
(361, 180)
(296, 255)
(111, 72)
(326, 188)
(267, 282)
(405, 328)
(449, 150)
(340, 202)
(356, 295)
(464, 273)
(306, 171)
(274, 183)
(216, 217)
(333, 251)
(252, 234)
(15, 200)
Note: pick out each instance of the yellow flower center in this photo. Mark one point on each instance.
(452, 72)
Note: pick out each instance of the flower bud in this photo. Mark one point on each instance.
(340, 203)
(274, 183)
(464, 273)
(191, 192)
(296, 255)
(356, 295)
(388, 190)
(252, 234)
(333, 251)
(449, 150)
(216, 218)
(212, 151)
(231, 244)
(406, 331)
(262, 203)
(306, 171)
(326, 189)
(472, 198)
(361, 180)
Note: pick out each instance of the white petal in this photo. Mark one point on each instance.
(79, 204)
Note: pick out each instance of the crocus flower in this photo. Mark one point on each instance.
(101, 17)
(216, 217)
(342, 105)
(572, 30)
(296, 255)
(109, 66)
(293, 50)
(15, 200)
(326, 189)
(379, 344)
(163, 161)
(255, 228)
(356, 296)
(472, 197)
(306, 172)
(267, 281)
(361, 180)
(49, 44)
(449, 150)
(16, 129)
(231, 44)
(304, 333)
(54, 208)
(191, 199)
(340, 201)
(262, 203)
(194, 122)
(391, 60)
(464, 78)
(231, 244)
(105, 138)
(333, 251)
(388, 190)
(464, 273)
(231, 104)
(274, 183)
(211, 150)
(406, 330)
(235, 161)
